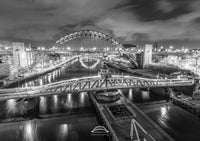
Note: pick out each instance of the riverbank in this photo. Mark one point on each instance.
(36, 74)
(188, 103)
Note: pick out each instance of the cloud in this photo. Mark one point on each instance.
(126, 20)
(44, 19)
(128, 25)
(165, 6)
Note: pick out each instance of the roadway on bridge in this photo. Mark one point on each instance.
(92, 83)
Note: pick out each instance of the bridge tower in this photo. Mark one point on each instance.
(19, 55)
(147, 60)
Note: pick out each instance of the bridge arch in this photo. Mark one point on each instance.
(90, 34)
(93, 66)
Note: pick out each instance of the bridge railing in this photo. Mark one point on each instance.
(90, 84)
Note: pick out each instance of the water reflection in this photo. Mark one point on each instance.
(64, 131)
(163, 111)
(83, 62)
(163, 116)
(30, 131)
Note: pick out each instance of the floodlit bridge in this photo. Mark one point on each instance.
(77, 43)
(92, 83)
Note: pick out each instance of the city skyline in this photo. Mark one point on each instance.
(168, 22)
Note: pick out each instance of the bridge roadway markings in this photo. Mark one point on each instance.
(92, 83)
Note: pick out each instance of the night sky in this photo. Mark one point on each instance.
(168, 22)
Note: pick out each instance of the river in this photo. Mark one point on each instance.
(71, 117)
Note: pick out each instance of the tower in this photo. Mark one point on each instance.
(19, 55)
(147, 55)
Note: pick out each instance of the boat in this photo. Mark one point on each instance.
(108, 97)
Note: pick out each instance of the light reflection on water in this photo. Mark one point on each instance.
(163, 111)
(84, 62)
(63, 131)
(30, 132)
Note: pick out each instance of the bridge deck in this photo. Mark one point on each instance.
(120, 127)
(92, 83)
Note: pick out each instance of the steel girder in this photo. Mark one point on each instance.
(99, 83)
(94, 83)
(91, 34)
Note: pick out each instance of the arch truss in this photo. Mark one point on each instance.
(90, 34)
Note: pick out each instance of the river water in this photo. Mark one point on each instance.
(71, 117)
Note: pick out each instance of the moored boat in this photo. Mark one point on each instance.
(108, 97)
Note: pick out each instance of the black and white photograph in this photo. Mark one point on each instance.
(99, 70)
